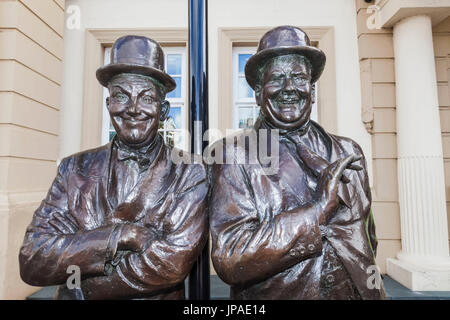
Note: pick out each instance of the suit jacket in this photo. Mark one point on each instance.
(169, 199)
(266, 239)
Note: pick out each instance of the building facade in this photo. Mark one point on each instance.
(379, 54)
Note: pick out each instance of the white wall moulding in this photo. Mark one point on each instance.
(424, 262)
(423, 214)
(392, 11)
(418, 278)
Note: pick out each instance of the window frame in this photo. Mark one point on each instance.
(241, 102)
(178, 102)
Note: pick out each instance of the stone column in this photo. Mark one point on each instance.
(424, 263)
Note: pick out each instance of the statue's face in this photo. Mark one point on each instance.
(136, 106)
(285, 92)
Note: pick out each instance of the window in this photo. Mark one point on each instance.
(173, 128)
(245, 110)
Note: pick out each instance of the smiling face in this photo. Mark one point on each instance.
(136, 106)
(285, 91)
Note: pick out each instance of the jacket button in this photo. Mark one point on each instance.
(311, 247)
(330, 278)
(293, 253)
(302, 250)
(323, 230)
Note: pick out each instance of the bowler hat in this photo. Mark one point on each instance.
(138, 55)
(280, 41)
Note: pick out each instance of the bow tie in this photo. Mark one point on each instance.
(143, 156)
(123, 155)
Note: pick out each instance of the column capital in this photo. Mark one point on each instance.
(392, 11)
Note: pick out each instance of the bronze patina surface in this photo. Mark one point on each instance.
(305, 232)
(126, 214)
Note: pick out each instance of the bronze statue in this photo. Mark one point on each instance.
(307, 231)
(130, 218)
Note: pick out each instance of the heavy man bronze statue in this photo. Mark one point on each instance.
(305, 232)
(125, 214)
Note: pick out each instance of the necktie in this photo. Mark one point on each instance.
(314, 163)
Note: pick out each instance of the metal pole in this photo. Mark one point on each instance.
(198, 122)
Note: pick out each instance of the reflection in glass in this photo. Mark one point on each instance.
(173, 120)
(174, 64)
(177, 92)
(174, 139)
(245, 118)
(178, 139)
(243, 57)
(244, 90)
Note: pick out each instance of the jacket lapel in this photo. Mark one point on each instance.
(316, 163)
(150, 191)
(292, 177)
(89, 204)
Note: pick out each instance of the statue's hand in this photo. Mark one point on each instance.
(326, 193)
(125, 212)
(134, 238)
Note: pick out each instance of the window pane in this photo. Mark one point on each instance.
(245, 118)
(174, 64)
(244, 90)
(173, 120)
(169, 139)
(243, 57)
(177, 92)
(177, 138)
(174, 139)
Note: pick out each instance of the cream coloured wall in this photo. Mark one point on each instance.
(31, 43)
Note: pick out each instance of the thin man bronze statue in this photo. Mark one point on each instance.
(305, 232)
(126, 214)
